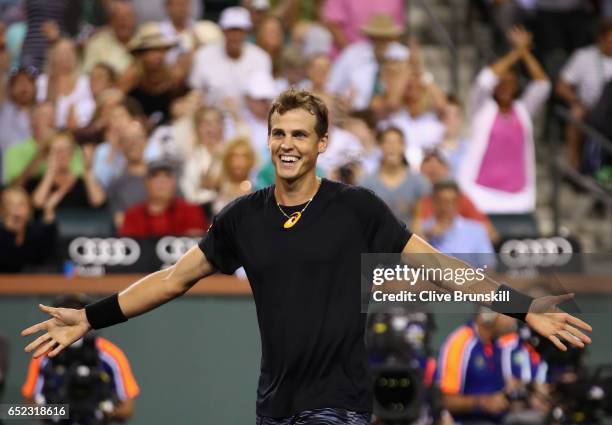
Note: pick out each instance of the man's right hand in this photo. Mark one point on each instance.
(66, 326)
(493, 403)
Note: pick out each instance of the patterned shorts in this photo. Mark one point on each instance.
(326, 416)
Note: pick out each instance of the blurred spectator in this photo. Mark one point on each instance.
(203, 162)
(101, 78)
(285, 10)
(128, 188)
(453, 143)
(270, 36)
(108, 160)
(470, 372)
(219, 68)
(409, 99)
(345, 18)
(150, 80)
(451, 233)
(94, 131)
(363, 57)
(46, 22)
(498, 170)
(23, 240)
(16, 107)
(158, 10)
(435, 167)
(108, 371)
(317, 75)
(27, 160)
(179, 26)
(238, 163)
(394, 182)
(163, 213)
(260, 93)
(291, 69)
(109, 45)
(581, 82)
(362, 125)
(63, 85)
(61, 183)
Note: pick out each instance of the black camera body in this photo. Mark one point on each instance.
(77, 377)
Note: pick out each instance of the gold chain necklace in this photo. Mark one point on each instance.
(295, 217)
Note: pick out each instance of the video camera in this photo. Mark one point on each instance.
(398, 346)
(77, 377)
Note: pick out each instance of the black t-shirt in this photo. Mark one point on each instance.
(306, 286)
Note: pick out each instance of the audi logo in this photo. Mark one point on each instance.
(543, 252)
(170, 248)
(104, 251)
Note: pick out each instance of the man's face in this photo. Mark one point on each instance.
(133, 142)
(23, 90)
(123, 20)
(153, 59)
(178, 10)
(15, 210)
(234, 39)
(161, 186)
(445, 204)
(294, 144)
(434, 169)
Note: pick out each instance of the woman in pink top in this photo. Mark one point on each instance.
(498, 170)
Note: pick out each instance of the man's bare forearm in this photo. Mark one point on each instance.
(162, 286)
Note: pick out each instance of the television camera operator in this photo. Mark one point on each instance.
(93, 377)
(403, 369)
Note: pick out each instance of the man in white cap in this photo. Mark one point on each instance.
(381, 31)
(260, 92)
(219, 68)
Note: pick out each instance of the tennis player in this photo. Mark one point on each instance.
(300, 243)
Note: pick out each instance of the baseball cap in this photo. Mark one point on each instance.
(235, 17)
(160, 165)
(261, 86)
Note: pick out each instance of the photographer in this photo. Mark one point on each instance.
(470, 373)
(103, 395)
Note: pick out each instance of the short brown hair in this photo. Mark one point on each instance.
(301, 99)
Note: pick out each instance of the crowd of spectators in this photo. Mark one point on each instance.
(158, 116)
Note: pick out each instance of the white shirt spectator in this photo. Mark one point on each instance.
(352, 57)
(421, 132)
(220, 77)
(588, 70)
(80, 99)
(342, 149)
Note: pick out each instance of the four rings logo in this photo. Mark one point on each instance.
(543, 252)
(170, 248)
(104, 251)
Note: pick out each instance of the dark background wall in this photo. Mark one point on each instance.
(197, 359)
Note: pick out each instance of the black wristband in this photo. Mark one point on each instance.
(515, 304)
(105, 312)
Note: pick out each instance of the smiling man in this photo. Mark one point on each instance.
(300, 243)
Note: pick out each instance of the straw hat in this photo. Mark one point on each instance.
(381, 25)
(150, 37)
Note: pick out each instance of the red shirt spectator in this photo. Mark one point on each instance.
(163, 213)
(180, 218)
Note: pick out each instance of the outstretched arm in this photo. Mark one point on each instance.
(542, 315)
(67, 325)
